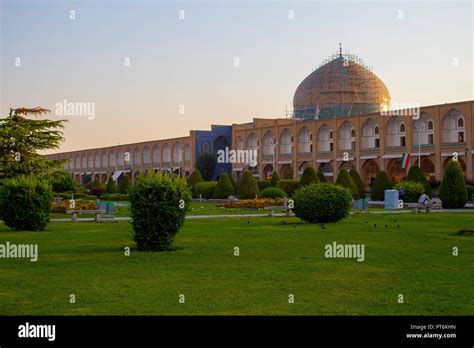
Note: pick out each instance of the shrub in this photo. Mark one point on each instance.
(157, 210)
(206, 164)
(413, 190)
(358, 182)
(62, 181)
(254, 203)
(111, 186)
(224, 187)
(63, 206)
(115, 197)
(321, 203)
(470, 191)
(289, 186)
(205, 189)
(124, 184)
(97, 189)
(274, 179)
(288, 174)
(263, 184)
(345, 180)
(453, 191)
(234, 185)
(309, 177)
(194, 179)
(321, 177)
(25, 203)
(272, 192)
(381, 183)
(248, 187)
(416, 174)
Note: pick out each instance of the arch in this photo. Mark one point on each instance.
(394, 135)
(305, 140)
(239, 143)
(370, 169)
(423, 130)
(90, 161)
(284, 168)
(97, 160)
(120, 156)
(427, 166)
(104, 160)
(347, 165)
(252, 142)
(112, 162)
(77, 161)
(345, 139)
(146, 155)
(325, 139)
(370, 138)
(137, 156)
(268, 171)
(327, 170)
(268, 144)
(127, 157)
(156, 155)
(286, 142)
(177, 153)
(166, 153)
(453, 130)
(394, 170)
(220, 143)
(461, 162)
(302, 167)
(187, 153)
(205, 148)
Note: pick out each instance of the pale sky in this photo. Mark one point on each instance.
(423, 51)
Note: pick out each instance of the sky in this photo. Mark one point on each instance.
(152, 70)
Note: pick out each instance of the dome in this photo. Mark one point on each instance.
(342, 87)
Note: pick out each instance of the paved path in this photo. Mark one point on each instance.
(194, 217)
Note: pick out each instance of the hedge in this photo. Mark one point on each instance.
(413, 190)
(289, 186)
(205, 189)
(272, 192)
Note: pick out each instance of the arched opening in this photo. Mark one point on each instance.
(268, 171)
(305, 141)
(156, 156)
(370, 138)
(146, 155)
(347, 165)
(461, 163)
(187, 153)
(453, 130)
(286, 143)
(423, 131)
(395, 133)
(286, 168)
(370, 169)
(268, 144)
(394, 170)
(302, 167)
(252, 142)
(166, 154)
(427, 166)
(177, 154)
(327, 170)
(325, 139)
(346, 139)
(137, 157)
(220, 143)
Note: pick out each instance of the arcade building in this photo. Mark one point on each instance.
(341, 118)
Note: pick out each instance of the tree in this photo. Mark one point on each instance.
(381, 183)
(111, 186)
(416, 174)
(358, 182)
(22, 138)
(224, 187)
(124, 184)
(274, 179)
(62, 181)
(309, 177)
(345, 180)
(453, 190)
(194, 179)
(97, 189)
(248, 187)
(321, 176)
(206, 164)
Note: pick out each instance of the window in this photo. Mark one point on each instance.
(331, 147)
(460, 123)
(402, 128)
(402, 141)
(430, 139)
(377, 143)
(430, 125)
(461, 137)
(353, 133)
(311, 148)
(330, 135)
(311, 137)
(376, 130)
(353, 145)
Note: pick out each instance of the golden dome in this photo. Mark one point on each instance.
(340, 88)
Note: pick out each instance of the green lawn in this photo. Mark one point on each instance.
(87, 259)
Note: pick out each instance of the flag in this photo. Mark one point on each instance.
(405, 160)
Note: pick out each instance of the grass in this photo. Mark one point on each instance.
(87, 260)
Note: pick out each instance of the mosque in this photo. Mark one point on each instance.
(341, 118)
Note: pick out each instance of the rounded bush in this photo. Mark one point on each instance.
(194, 179)
(158, 205)
(289, 186)
(111, 186)
(272, 192)
(381, 183)
(25, 203)
(205, 189)
(309, 177)
(263, 184)
(124, 185)
(274, 179)
(413, 190)
(62, 181)
(359, 183)
(453, 191)
(345, 180)
(416, 174)
(321, 203)
(248, 187)
(224, 187)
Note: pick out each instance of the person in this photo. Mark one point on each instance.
(425, 200)
(401, 193)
